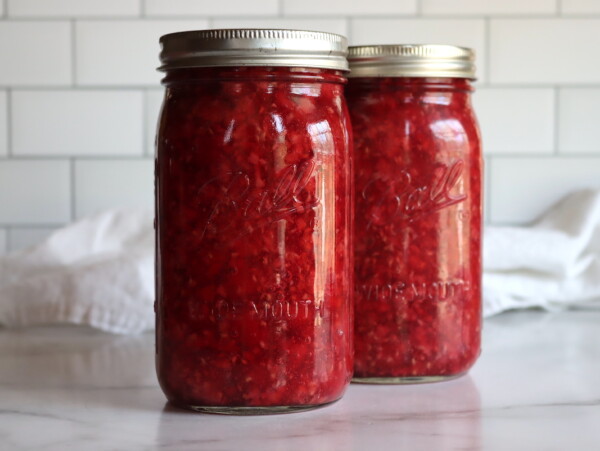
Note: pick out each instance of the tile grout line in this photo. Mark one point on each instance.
(348, 25)
(546, 156)
(145, 157)
(378, 16)
(29, 225)
(72, 187)
(4, 249)
(280, 8)
(13, 226)
(90, 87)
(488, 185)
(9, 123)
(78, 157)
(556, 118)
(142, 8)
(130, 87)
(73, 55)
(487, 45)
(8, 237)
(145, 125)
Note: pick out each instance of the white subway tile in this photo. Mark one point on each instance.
(488, 7)
(105, 184)
(516, 120)
(123, 52)
(3, 241)
(77, 122)
(329, 25)
(466, 32)
(523, 188)
(154, 99)
(345, 8)
(579, 120)
(22, 237)
(34, 192)
(35, 53)
(3, 124)
(73, 8)
(211, 8)
(537, 51)
(580, 6)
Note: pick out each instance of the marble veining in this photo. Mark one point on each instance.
(536, 386)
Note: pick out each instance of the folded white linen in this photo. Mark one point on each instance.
(553, 263)
(99, 271)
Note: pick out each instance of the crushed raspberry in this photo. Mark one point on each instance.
(418, 227)
(253, 238)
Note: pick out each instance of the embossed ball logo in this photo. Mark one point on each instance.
(404, 199)
(239, 200)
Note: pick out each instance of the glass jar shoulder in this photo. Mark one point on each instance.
(294, 119)
(388, 113)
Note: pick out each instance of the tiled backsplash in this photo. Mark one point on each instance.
(79, 95)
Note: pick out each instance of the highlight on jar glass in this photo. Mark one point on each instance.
(253, 221)
(417, 238)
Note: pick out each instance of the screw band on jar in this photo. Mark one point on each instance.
(253, 47)
(411, 60)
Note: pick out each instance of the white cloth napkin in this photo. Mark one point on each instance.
(554, 263)
(99, 271)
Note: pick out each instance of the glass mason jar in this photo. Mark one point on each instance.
(418, 172)
(253, 217)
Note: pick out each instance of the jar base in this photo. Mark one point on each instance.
(252, 411)
(406, 380)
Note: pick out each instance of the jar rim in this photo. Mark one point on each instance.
(412, 60)
(253, 47)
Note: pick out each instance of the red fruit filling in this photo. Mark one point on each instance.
(253, 238)
(417, 238)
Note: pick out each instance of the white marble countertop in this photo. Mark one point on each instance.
(536, 386)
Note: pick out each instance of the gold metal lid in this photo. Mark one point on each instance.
(411, 60)
(253, 47)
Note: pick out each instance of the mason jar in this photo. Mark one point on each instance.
(253, 218)
(418, 175)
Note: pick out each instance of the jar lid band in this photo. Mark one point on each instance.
(253, 47)
(411, 60)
